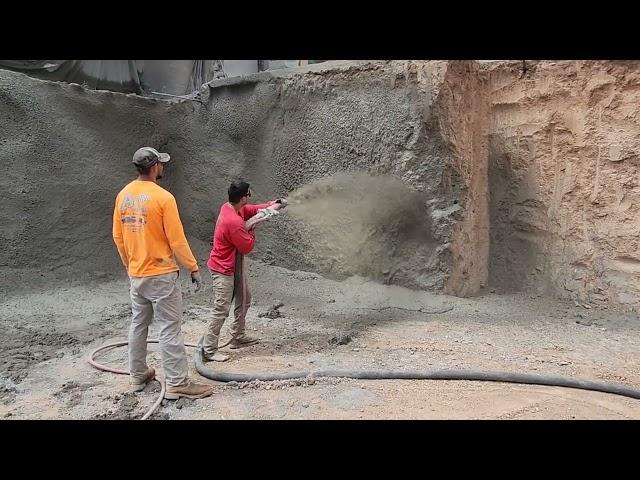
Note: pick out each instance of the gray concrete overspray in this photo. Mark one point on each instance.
(363, 221)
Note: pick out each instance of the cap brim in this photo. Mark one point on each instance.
(164, 158)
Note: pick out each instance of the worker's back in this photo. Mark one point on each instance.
(140, 218)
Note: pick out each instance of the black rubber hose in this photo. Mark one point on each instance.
(472, 375)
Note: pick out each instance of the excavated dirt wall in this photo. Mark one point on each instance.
(564, 143)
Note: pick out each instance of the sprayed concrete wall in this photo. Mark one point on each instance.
(64, 152)
(399, 118)
(402, 119)
(68, 153)
(528, 178)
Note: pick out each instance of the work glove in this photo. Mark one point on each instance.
(197, 279)
(282, 202)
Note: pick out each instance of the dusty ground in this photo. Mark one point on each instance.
(47, 334)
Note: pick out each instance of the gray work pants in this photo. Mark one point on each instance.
(158, 297)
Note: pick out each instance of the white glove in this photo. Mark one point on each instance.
(262, 215)
(281, 203)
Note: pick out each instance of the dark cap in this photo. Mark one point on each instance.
(146, 157)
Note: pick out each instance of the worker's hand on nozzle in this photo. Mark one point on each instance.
(197, 279)
(282, 203)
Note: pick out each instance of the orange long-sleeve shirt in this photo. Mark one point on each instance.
(148, 232)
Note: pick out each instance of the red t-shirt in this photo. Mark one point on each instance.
(230, 236)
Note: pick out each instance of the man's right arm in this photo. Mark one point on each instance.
(117, 236)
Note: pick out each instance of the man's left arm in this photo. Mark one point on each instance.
(249, 210)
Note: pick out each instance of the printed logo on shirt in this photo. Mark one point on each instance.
(133, 212)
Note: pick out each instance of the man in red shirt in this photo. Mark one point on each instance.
(231, 241)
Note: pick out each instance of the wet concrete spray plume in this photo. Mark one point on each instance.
(365, 224)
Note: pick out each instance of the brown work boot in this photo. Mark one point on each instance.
(188, 390)
(243, 341)
(215, 357)
(138, 384)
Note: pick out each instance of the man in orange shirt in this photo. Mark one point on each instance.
(148, 233)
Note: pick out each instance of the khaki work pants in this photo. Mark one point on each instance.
(225, 288)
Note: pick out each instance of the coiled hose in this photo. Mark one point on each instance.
(105, 368)
(109, 346)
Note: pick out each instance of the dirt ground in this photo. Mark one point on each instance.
(355, 323)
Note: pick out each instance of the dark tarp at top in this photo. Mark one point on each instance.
(125, 76)
(115, 75)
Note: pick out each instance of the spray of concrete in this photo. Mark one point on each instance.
(365, 224)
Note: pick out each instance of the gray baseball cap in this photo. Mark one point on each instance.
(146, 157)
